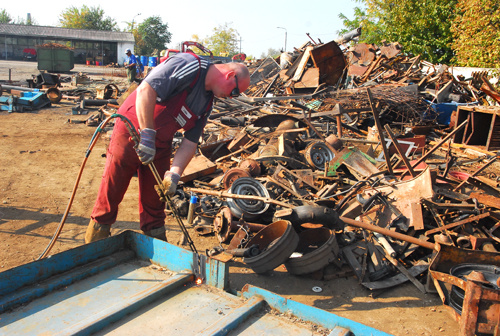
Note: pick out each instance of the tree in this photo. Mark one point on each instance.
(371, 31)
(476, 33)
(86, 18)
(5, 17)
(224, 40)
(271, 52)
(27, 22)
(151, 36)
(422, 27)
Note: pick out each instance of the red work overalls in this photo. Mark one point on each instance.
(122, 161)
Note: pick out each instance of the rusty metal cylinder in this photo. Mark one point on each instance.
(335, 142)
(283, 126)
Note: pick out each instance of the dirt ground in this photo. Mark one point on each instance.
(41, 154)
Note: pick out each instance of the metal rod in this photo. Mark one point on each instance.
(486, 165)
(439, 144)
(389, 233)
(221, 194)
(308, 122)
(400, 150)
(380, 131)
(152, 167)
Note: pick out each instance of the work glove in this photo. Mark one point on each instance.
(169, 184)
(146, 149)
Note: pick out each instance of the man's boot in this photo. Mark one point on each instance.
(96, 231)
(159, 233)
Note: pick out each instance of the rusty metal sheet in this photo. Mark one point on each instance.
(404, 194)
(309, 79)
(481, 310)
(487, 200)
(199, 166)
(362, 54)
(390, 50)
(357, 70)
(330, 60)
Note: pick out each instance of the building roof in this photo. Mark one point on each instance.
(65, 33)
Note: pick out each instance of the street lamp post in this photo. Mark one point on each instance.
(285, 36)
(240, 40)
(133, 20)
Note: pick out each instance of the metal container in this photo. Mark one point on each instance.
(55, 59)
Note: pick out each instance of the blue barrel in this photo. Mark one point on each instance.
(153, 61)
(144, 60)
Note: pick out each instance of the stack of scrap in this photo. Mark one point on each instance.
(284, 189)
(365, 182)
(337, 162)
(312, 66)
(370, 64)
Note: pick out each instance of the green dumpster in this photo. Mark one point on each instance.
(55, 59)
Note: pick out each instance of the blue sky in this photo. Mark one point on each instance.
(255, 21)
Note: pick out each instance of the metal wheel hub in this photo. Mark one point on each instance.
(247, 208)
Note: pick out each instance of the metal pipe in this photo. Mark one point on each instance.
(375, 113)
(97, 102)
(389, 233)
(18, 88)
(400, 150)
(385, 243)
(221, 194)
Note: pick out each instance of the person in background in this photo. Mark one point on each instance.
(130, 64)
(176, 94)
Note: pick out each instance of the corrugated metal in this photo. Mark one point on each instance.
(65, 33)
(132, 284)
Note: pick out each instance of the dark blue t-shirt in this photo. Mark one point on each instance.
(173, 76)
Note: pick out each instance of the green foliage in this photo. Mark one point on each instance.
(223, 41)
(370, 32)
(422, 27)
(477, 33)
(5, 17)
(131, 26)
(151, 36)
(86, 18)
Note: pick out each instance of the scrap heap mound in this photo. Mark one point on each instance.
(359, 160)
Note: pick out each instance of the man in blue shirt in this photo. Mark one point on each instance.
(130, 64)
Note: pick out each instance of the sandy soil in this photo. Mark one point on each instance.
(41, 155)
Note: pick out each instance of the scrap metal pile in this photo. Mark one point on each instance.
(341, 161)
(295, 173)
